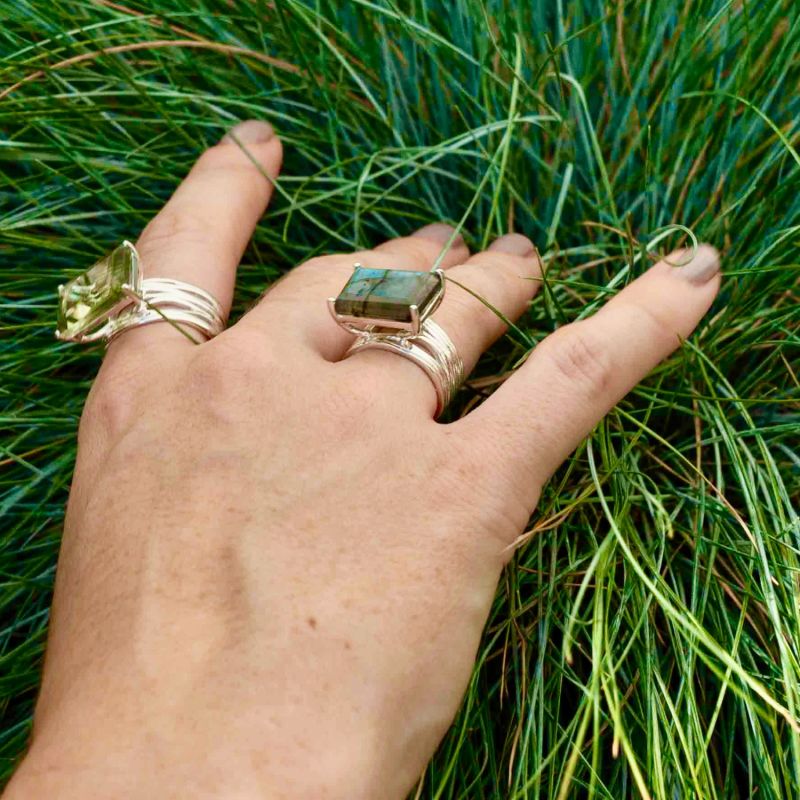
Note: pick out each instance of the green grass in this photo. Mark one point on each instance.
(646, 639)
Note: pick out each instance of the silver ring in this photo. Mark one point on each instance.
(432, 350)
(113, 296)
(390, 309)
(168, 300)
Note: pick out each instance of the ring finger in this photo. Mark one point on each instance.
(501, 279)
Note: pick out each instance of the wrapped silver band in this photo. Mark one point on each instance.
(168, 300)
(113, 296)
(431, 349)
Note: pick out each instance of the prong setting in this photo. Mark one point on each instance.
(415, 321)
(396, 300)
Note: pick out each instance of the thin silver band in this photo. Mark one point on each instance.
(431, 349)
(168, 300)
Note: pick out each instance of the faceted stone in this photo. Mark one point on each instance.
(387, 294)
(88, 300)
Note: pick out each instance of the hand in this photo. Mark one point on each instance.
(276, 565)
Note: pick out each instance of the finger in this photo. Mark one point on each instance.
(200, 234)
(505, 276)
(295, 309)
(576, 375)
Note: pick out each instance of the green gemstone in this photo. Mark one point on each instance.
(88, 300)
(388, 294)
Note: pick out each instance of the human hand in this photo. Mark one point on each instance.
(276, 565)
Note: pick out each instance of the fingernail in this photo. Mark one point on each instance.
(514, 244)
(251, 131)
(439, 232)
(703, 267)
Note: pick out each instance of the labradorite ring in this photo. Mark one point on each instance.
(113, 296)
(390, 309)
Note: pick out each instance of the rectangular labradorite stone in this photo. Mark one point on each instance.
(387, 294)
(86, 301)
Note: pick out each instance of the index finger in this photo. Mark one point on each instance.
(200, 234)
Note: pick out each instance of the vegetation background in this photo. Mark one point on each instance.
(645, 641)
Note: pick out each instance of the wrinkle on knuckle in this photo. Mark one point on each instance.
(469, 307)
(422, 252)
(325, 264)
(317, 271)
(660, 320)
(462, 303)
(224, 157)
(223, 160)
(172, 226)
(410, 251)
(579, 359)
(216, 158)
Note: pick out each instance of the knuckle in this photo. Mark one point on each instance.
(511, 266)
(227, 379)
(111, 406)
(418, 251)
(579, 358)
(659, 320)
(217, 157)
(223, 156)
(320, 266)
(210, 365)
(318, 271)
(172, 226)
(210, 382)
(216, 364)
(476, 320)
(315, 264)
(464, 305)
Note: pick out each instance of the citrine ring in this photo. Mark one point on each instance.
(390, 309)
(113, 296)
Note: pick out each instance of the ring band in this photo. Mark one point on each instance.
(168, 300)
(113, 296)
(390, 309)
(432, 350)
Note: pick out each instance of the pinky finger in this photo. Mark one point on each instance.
(576, 375)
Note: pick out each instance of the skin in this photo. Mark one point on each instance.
(276, 565)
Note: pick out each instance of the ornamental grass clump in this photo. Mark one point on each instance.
(645, 639)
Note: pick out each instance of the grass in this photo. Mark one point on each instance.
(645, 640)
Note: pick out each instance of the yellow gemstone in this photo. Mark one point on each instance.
(86, 302)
